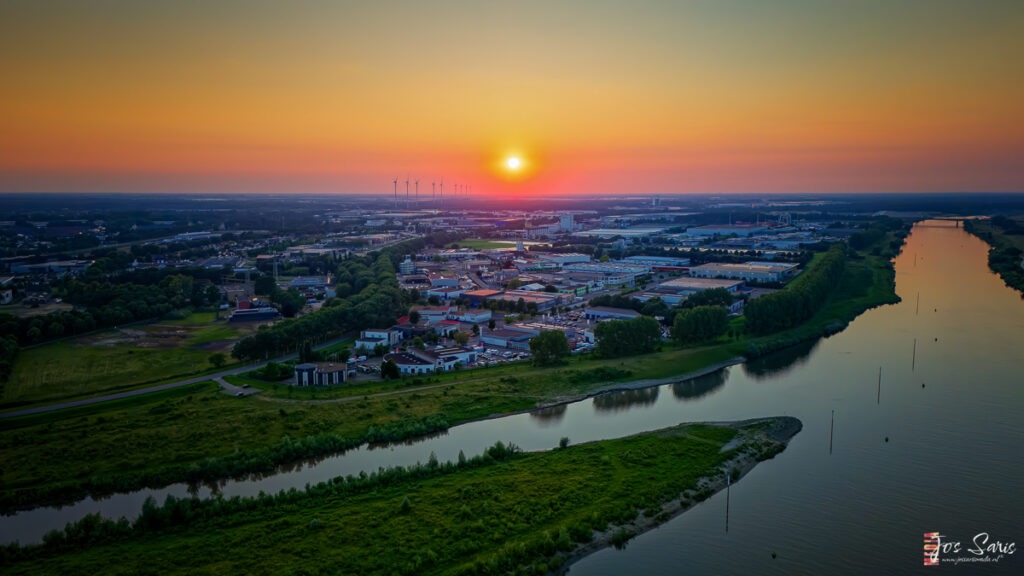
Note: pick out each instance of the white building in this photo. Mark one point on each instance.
(616, 268)
(657, 261)
(369, 339)
(567, 258)
(474, 316)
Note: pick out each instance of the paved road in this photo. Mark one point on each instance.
(169, 386)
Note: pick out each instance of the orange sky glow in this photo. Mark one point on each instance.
(593, 96)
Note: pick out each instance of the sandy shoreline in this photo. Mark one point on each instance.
(757, 446)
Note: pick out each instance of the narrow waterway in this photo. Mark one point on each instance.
(936, 449)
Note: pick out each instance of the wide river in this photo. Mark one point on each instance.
(935, 448)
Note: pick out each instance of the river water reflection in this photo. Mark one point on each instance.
(940, 450)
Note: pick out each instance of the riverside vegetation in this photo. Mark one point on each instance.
(1006, 255)
(197, 434)
(503, 512)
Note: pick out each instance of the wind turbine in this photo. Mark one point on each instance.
(396, 193)
(407, 191)
(417, 192)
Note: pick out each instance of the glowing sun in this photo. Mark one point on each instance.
(513, 163)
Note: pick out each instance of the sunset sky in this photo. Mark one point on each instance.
(593, 96)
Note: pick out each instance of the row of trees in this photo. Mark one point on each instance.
(801, 299)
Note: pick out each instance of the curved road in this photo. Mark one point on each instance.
(158, 388)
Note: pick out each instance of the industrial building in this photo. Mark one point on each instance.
(509, 337)
(750, 271)
(609, 313)
(320, 374)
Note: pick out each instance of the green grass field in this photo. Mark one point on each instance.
(114, 360)
(523, 512)
(481, 244)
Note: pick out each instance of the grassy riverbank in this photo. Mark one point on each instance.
(1006, 255)
(504, 512)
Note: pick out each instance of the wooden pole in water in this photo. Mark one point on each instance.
(879, 400)
(831, 431)
(913, 358)
(917, 309)
(728, 485)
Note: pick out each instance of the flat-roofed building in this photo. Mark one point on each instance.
(410, 364)
(542, 300)
(509, 337)
(655, 262)
(470, 316)
(434, 314)
(567, 258)
(616, 268)
(726, 230)
(476, 297)
(444, 293)
(689, 285)
(609, 313)
(748, 272)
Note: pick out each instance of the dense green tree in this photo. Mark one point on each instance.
(617, 338)
(289, 301)
(265, 285)
(655, 307)
(700, 324)
(218, 359)
(389, 370)
(549, 347)
(709, 297)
